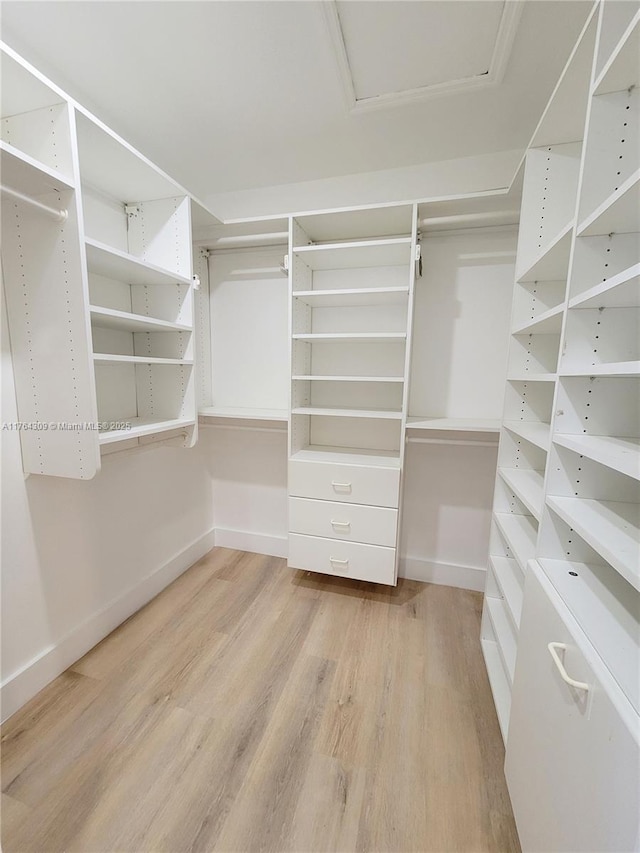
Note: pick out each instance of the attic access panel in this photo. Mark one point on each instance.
(428, 48)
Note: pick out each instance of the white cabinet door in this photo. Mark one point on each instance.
(572, 760)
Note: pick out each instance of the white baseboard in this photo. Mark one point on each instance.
(22, 685)
(256, 543)
(445, 574)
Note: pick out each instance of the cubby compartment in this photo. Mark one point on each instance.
(140, 399)
(610, 196)
(606, 272)
(342, 433)
(498, 679)
(537, 306)
(508, 577)
(598, 406)
(375, 395)
(549, 200)
(517, 452)
(534, 355)
(602, 341)
(35, 129)
(618, 24)
(529, 401)
(132, 211)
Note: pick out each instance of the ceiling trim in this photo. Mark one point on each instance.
(502, 50)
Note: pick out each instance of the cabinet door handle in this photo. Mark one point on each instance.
(335, 523)
(579, 685)
(341, 485)
(339, 562)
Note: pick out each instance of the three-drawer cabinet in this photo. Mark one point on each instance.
(343, 519)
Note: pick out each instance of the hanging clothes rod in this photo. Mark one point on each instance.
(276, 237)
(455, 219)
(456, 441)
(54, 212)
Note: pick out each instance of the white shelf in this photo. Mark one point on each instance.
(553, 261)
(348, 456)
(535, 433)
(109, 318)
(619, 368)
(621, 70)
(527, 487)
(619, 454)
(519, 534)
(619, 291)
(618, 214)
(532, 377)
(504, 634)
(310, 378)
(143, 426)
(547, 323)
(454, 424)
(350, 297)
(500, 687)
(112, 263)
(242, 414)
(355, 254)
(28, 175)
(611, 528)
(109, 358)
(353, 337)
(337, 412)
(602, 604)
(507, 572)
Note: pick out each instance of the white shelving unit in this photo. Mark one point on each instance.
(104, 360)
(351, 297)
(547, 224)
(567, 505)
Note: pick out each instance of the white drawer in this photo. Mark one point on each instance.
(358, 484)
(373, 525)
(346, 559)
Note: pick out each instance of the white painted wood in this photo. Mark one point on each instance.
(363, 253)
(620, 291)
(552, 260)
(354, 523)
(348, 455)
(44, 136)
(520, 535)
(504, 633)
(108, 318)
(238, 413)
(500, 685)
(344, 559)
(384, 379)
(536, 433)
(352, 337)
(558, 736)
(611, 528)
(350, 297)
(616, 19)
(546, 323)
(143, 427)
(620, 454)
(348, 483)
(115, 264)
(490, 425)
(527, 486)
(620, 71)
(607, 610)
(336, 412)
(108, 358)
(510, 581)
(618, 213)
(26, 175)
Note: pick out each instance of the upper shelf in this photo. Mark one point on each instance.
(621, 71)
(552, 261)
(547, 323)
(390, 252)
(112, 263)
(352, 337)
(619, 291)
(352, 297)
(454, 424)
(109, 318)
(239, 413)
(618, 214)
(28, 175)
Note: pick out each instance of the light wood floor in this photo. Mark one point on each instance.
(249, 707)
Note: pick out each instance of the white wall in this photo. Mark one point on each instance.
(79, 557)
(428, 180)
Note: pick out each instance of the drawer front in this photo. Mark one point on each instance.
(345, 559)
(572, 757)
(358, 484)
(373, 525)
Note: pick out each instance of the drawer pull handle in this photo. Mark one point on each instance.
(341, 485)
(340, 523)
(579, 685)
(338, 562)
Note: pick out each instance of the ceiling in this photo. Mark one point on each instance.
(235, 95)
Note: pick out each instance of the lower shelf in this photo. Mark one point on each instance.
(498, 681)
(143, 426)
(348, 455)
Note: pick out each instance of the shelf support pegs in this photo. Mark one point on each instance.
(54, 212)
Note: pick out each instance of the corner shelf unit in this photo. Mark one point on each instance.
(351, 296)
(105, 360)
(568, 485)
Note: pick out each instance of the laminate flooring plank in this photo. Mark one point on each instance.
(262, 817)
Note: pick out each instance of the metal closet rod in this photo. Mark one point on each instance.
(467, 217)
(54, 212)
